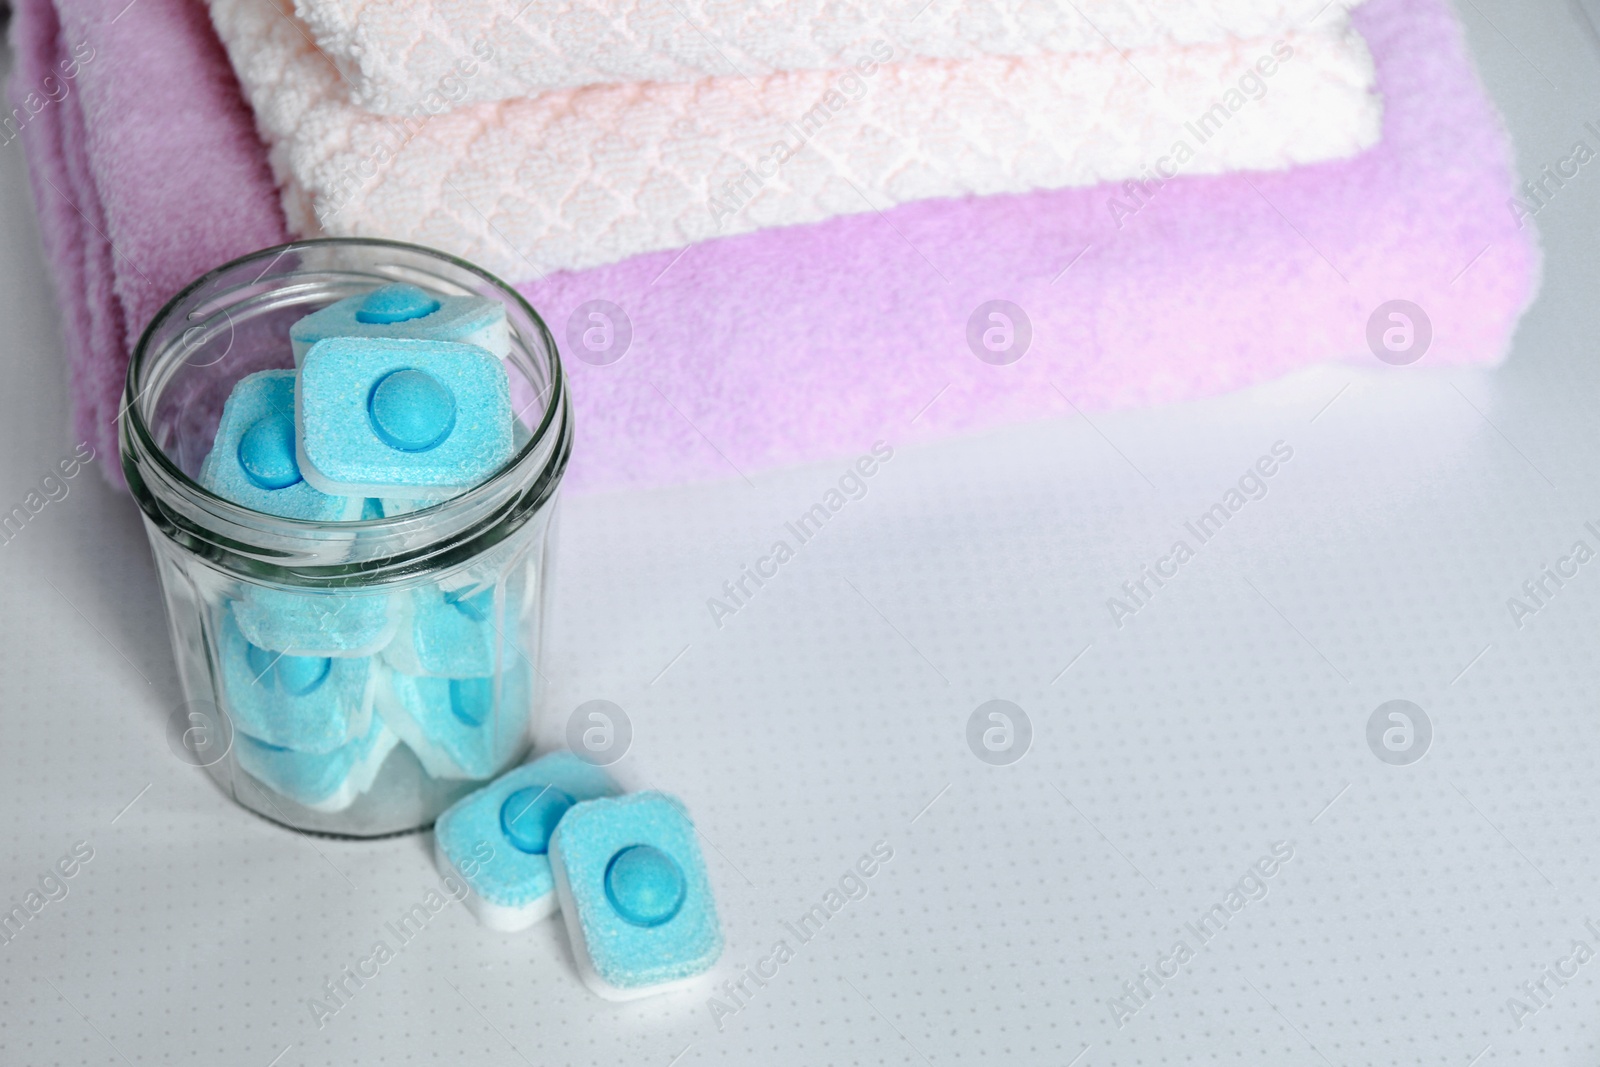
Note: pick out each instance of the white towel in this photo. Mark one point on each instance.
(581, 177)
(396, 52)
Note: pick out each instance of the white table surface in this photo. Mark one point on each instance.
(1168, 755)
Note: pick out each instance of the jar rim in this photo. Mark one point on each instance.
(542, 473)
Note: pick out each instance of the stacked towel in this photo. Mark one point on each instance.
(793, 342)
(577, 178)
(391, 53)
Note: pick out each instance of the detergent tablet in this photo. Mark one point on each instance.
(634, 894)
(407, 311)
(459, 727)
(497, 839)
(450, 633)
(321, 623)
(401, 420)
(310, 704)
(253, 459)
(325, 782)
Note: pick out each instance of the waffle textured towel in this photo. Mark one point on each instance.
(579, 178)
(395, 54)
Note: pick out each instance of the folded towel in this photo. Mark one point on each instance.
(808, 342)
(145, 173)
(402, 56)
(583, 177)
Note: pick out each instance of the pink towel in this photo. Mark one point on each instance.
(794, 344)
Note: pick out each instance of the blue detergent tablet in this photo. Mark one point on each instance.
(459, 727)
(311, 704)
(635, 895)
(453, 633)
(325, 782)
(329, 623)
(253, 460)
(506, 869)
(399, 420)
(402, 310)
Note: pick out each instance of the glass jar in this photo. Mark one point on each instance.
(417, 636)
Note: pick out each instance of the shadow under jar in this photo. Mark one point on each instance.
(422, 631)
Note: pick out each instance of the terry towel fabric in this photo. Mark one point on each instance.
(808, 342)
(145, 171)
(396, 55)
(580, 178)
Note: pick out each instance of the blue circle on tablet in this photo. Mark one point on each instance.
(411, 410)
(529, 816)
(266, 453)
(295, 675)
(260, 661)
(471, 699)
(300, 675)
(645, 885)
(395, 303)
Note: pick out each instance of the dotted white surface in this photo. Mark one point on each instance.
(829, 714)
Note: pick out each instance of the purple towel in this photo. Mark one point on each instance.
(806, 342)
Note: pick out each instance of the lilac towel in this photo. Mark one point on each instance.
(801, 343)
(146, 173)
